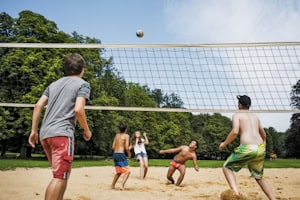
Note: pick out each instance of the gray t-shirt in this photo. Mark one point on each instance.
(59, 118)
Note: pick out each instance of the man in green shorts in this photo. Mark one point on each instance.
(252, 148)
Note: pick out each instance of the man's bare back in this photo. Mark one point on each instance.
(249, 127)
(121, 143)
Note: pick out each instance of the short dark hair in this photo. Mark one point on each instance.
(122, 127)
(244, 100)
(73, 64)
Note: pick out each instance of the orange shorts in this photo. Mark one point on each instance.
(60, 152)
(175, 164)
(122, 170)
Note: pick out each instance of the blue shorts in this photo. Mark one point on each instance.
(121, 163)
(141, 155)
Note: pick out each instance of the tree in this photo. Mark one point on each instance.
(293, 134)
(172, 101)
(6, 26)
(275, 142)
(157, 95)
(28, 71)
(293, 137)
(213, 130)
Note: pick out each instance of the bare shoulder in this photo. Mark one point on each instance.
(236, 115)
(241, 115)
(118, 135)
(184, 147)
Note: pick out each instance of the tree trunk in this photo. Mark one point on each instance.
(25, 149)
(3, 150)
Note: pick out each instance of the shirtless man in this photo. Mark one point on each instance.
(120, 146)
(252, 148)
(178, 162)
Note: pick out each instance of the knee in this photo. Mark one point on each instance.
(225, 169)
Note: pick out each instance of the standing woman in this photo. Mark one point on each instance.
(138, 143)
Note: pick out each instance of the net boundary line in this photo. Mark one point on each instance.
(145, 109)
(99, 46)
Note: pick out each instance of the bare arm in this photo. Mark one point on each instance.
(81, 117)
(146, 138)
(127, 146)
(38, 107)
(195, 163)
(173, 150)
(262, 133)
(113, 144)
(233, 133)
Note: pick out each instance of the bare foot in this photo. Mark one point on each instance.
(122, 188)
(171, 181)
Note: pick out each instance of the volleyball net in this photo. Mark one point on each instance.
(205, 77)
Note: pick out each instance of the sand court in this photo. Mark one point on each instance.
(93, 183)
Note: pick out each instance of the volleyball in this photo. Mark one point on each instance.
(139, 33)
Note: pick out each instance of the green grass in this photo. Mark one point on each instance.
(283, 163)
(10, 164)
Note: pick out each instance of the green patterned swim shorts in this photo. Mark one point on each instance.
(252, 155)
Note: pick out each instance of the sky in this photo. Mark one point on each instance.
(174, 22)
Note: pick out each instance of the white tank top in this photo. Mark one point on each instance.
(139, 148)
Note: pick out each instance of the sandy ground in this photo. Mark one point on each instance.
(93, 183)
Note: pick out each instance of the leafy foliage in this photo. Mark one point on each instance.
(29, 71)
(293, 134)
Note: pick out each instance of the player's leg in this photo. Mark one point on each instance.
(56, 189)
(145, 159)
(63, 189)
(125, 177)
(141, 163)
(61, 149)
(256, 168)
(170, 173)
(236, 161)
(266, 187)
(231, 180)
(116, 177)
(182, 174)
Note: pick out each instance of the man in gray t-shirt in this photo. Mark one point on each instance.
(59, 119)
(65, 99)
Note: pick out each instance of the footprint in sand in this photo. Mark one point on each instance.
(84, 198)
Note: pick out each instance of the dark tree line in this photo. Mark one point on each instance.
(293, 133)
(25, 72)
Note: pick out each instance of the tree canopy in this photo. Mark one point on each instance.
(28, 71)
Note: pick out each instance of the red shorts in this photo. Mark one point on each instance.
(175, 164)
(59, 151)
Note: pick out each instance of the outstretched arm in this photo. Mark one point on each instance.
(173, 150)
